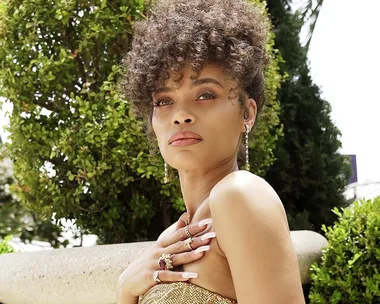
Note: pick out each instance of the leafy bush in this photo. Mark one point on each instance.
(350, 266)
(4, 246)
(19, 222)
(77, 151)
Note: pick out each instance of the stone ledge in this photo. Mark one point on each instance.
(89, 275)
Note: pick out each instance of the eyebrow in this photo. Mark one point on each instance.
(194, 83)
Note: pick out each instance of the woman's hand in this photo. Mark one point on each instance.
(138, 277)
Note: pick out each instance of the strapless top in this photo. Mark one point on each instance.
(182, 293)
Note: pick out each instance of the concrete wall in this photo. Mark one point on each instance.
(89, 275)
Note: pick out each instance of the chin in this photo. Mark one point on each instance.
(186, 165)
(187, 162)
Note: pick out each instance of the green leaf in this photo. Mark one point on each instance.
(356, 257)
(91, 136)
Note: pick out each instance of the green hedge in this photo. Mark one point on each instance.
(60, 66)
(350, 268)
(4, 246)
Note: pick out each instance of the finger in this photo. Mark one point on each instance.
(180, 234)
(188, 257)
(182, 221)
(180, 256)
(174, 276)
(181, 246)
(200, 241)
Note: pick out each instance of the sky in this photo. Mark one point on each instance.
(344, 58)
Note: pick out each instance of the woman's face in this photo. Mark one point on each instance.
(200, 106)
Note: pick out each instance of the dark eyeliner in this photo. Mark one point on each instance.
(157, 103)
(207, 92)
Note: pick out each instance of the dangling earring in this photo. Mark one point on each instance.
(166, 176)
(247, 166)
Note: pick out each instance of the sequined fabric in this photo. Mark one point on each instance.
(181, 293)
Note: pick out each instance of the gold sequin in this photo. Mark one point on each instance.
(182, 293)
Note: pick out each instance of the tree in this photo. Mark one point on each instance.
(76, 148)
(16, 221)
(308, 13)
(309, 174)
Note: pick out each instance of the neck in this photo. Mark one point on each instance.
(196, 185)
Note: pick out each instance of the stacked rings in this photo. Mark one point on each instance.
(165, 262)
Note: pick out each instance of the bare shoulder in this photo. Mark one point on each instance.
(244, 183)
(244, 190)
(251, 226)
(240, 178)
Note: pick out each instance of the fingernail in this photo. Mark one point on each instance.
(208, 235)
(200, 249)
(189, 275)
(205, 222)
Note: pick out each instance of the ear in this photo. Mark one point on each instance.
(250, 114)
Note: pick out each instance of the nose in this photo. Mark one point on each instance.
(183, 117)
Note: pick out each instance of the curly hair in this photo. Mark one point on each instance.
(231, 33)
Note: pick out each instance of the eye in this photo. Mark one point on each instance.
(165, 101)
(210, 95)
(161, 102)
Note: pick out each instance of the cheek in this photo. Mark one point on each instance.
(230, 118)
(231, 135)
(159, 131)
(156, 129)
(225, 132)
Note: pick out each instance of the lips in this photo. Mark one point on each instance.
(183, 136)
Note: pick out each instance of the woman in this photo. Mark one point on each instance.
(195, 74)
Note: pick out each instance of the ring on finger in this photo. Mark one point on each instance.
(165, 262)
(188, 243)
(155, 276)
(187, 231)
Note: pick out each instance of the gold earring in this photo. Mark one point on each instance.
(166, 177)
(247, 166)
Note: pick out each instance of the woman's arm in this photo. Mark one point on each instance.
(253, 233)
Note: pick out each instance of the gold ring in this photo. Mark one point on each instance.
(155, 276)
(165, 262)
(188, 243)
(187, 231)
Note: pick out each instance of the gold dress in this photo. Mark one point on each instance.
(182, 293)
